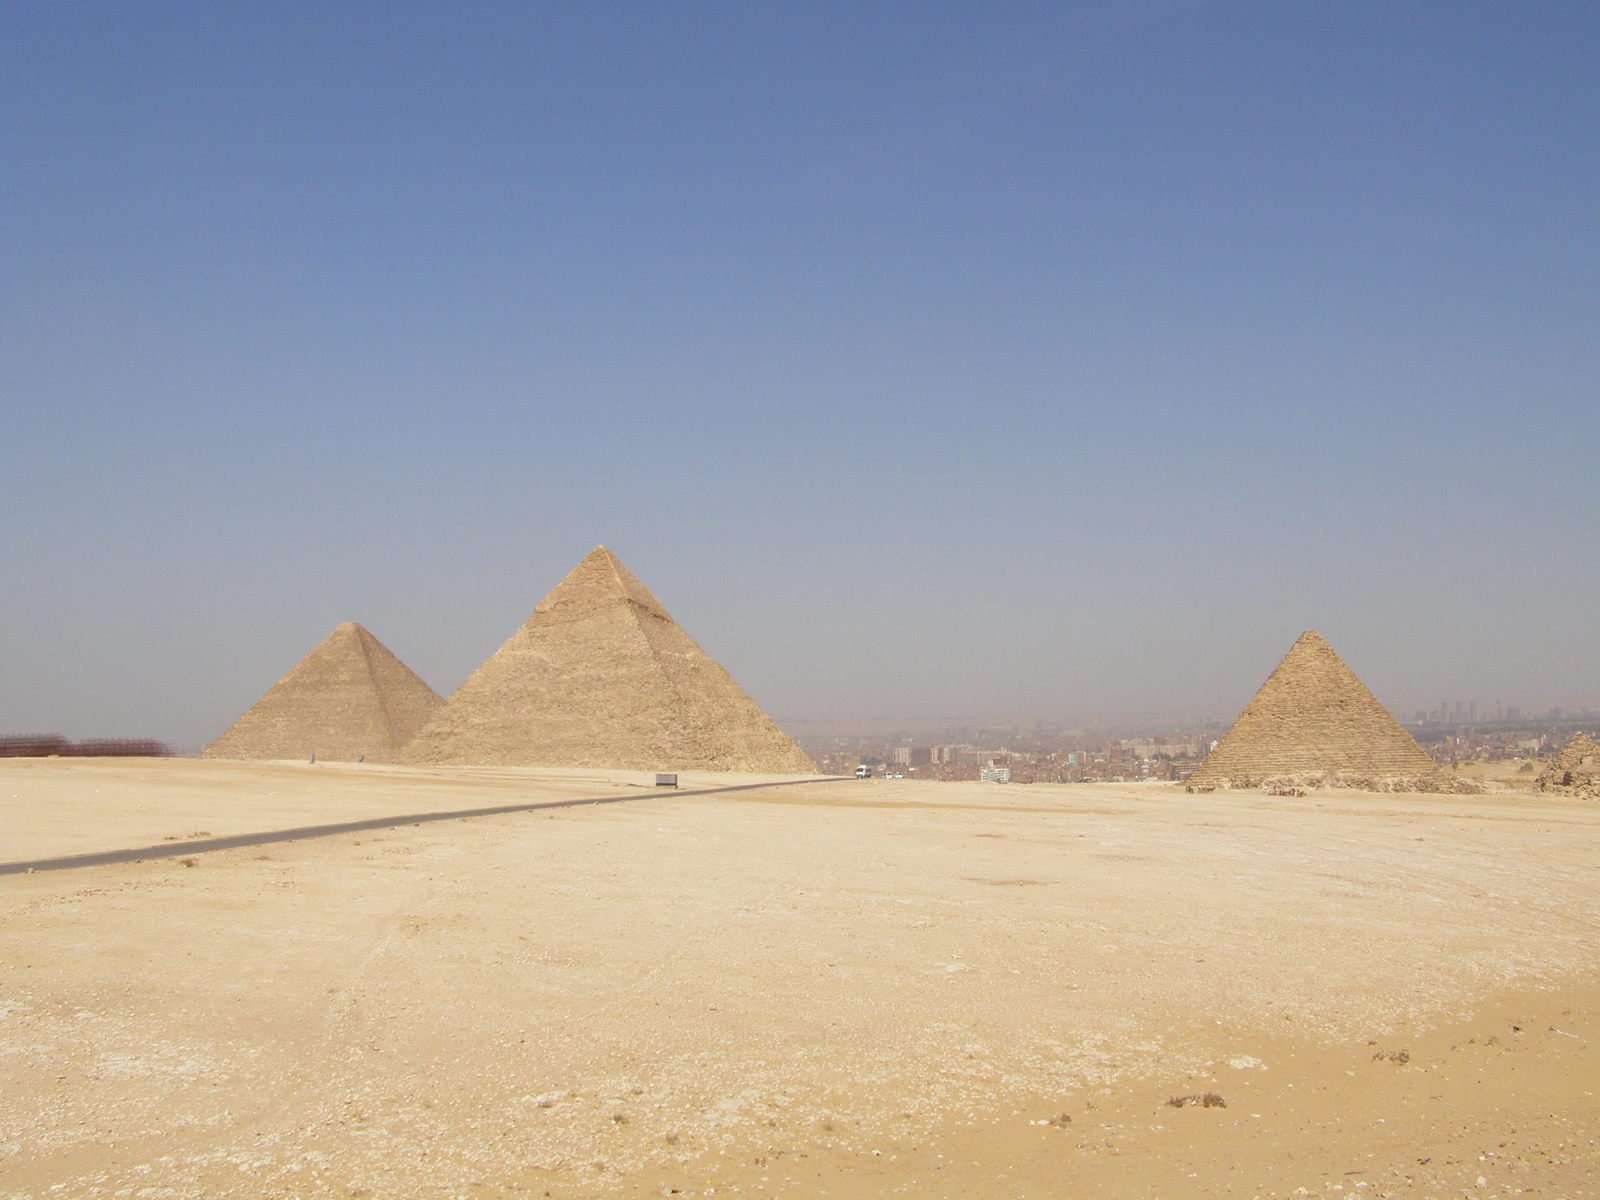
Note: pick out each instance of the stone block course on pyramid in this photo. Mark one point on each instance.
(601, 676)
(350, 698)
(1314, 722)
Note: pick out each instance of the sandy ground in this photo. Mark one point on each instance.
(1510, 774)
(843, 989)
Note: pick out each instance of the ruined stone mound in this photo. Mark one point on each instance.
(1314, 723)
(1575, 770)
(349, 698)
(601, 676)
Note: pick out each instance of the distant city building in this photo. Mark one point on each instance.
(1154, 747)
(993, 774)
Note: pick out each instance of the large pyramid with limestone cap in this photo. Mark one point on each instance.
(1314, 722)
(601, 676)
(349, 698)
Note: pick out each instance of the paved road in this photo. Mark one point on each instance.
(185, 849)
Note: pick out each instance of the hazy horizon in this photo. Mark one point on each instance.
(923, 360)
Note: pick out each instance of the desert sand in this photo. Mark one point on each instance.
(831, 988)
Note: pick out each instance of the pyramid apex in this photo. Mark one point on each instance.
(601, 556)
(1310, 643)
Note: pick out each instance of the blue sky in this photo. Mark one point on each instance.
(1026, 360)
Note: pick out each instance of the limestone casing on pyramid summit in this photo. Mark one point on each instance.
(349, 698)
(1314, 721)
(600, 675)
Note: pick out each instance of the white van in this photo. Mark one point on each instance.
(863, 772)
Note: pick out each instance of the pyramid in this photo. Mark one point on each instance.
(349, 698)
(1313, 721)
(1575, 770)
(601, 676)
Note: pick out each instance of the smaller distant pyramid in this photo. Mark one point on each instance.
(348, 699)
(1314, 722)
(1575, 771)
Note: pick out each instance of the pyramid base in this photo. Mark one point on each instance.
(1298, 784)
(1584, 788)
